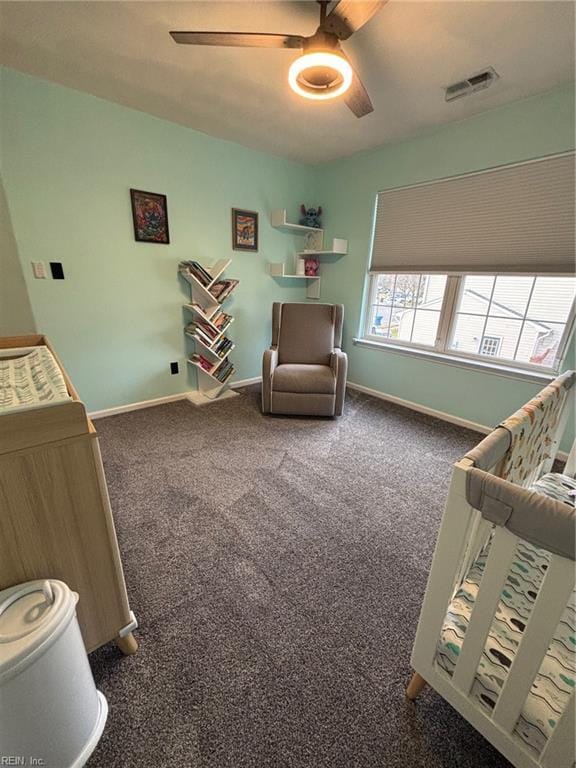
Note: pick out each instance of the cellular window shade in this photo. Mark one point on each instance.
(516, 218)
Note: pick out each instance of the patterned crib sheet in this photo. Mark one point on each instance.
(556, 680)
(31, 379)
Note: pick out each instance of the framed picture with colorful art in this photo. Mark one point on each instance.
(150, 217)
(244, 230)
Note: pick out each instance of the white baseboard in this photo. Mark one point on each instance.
(245, 382)
(466, 423)
(137, 406)
(474, 426)
(161, 400)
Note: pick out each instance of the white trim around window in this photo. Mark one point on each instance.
(443, 349)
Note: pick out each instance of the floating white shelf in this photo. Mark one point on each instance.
(278, 269)
(339, 248)
(313, 246)
(279, 221)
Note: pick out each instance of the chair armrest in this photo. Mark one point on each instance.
(269, 363)
(339, 366)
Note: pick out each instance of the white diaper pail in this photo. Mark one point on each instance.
(50, 711)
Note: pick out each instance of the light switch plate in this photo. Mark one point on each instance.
(39, 270)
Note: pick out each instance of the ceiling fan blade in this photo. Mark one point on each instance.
(348, 16)
(356, 97)
(239, 39)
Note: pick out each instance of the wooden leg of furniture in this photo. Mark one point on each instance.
(127, 644)
(416, 686)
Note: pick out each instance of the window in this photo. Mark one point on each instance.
(490, 346)
(519, 320)
(407, 307)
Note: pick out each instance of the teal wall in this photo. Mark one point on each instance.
(16, 315)
(68, 161)
(347, 189)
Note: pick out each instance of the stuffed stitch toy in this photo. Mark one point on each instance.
(311, 216)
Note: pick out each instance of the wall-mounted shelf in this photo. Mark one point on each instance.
(339, 248)
(278, 270)
(279, 221)
(313, 246)
(314, 236)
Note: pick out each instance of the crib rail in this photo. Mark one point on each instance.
(560, 749)
(552, 597)
(489, 501)
(501, 553)
(491, 453)
(543, 521)
(463, 532)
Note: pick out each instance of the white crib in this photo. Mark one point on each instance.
(503, 543)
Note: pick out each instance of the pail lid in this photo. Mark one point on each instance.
(32, 616)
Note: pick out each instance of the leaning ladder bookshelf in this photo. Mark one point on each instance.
(207, 328)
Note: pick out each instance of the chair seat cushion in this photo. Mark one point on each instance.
(308, 379)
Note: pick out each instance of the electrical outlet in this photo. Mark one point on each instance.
(174, 368)
(39, 270)
(57, 270)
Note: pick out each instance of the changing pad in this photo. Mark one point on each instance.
(556, 679)
(32, 379)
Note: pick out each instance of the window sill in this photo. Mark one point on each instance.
(506, 371)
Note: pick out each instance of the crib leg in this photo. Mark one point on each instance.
(416, 686)
(127, 644)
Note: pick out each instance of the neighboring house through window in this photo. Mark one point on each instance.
(490, 346)
(521, 319)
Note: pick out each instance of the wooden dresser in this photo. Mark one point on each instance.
(55, 516)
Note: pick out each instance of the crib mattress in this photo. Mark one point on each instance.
(556, 679)
(33, 379)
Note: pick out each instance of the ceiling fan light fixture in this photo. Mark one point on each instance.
(320, 75)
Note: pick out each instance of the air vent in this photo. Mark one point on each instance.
(472, 84)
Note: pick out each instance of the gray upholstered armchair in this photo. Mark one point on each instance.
(304, 371)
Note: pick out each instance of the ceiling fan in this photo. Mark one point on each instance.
(323, 71)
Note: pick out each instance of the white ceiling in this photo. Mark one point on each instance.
(121, 51)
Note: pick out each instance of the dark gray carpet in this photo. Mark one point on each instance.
(277, 567)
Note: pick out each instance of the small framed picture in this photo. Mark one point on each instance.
(244, 230)
(150, 217)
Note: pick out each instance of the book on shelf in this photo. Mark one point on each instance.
(224, 371)
(203, 333)
(223, 346)
(222, 289)
(202, 362)
(221, 320)
(196, 270)
(227, 375)
(208, 328)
